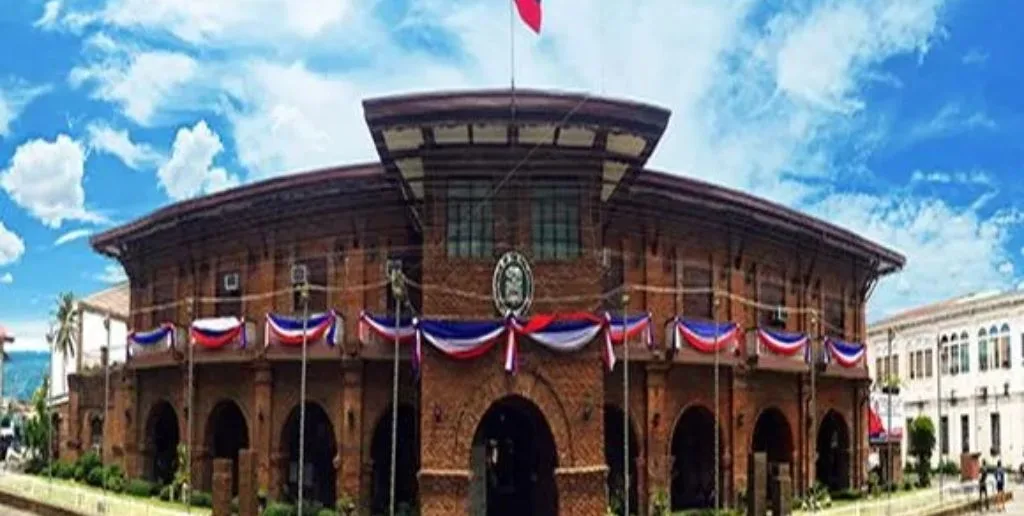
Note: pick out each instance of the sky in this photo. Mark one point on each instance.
(898, 120)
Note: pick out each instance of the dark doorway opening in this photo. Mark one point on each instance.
(693, 460)
(833, 465)
(513, 462)
(162, 443)
(407, 461)
(614, 456)
(227, 434)
(320, 449)
(773, 436)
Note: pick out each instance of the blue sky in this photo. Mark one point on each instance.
(899, 120)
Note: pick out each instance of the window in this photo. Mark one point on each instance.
(229, 300)
(773, 295)
(555, 218)
(912, 368)
(944, 434)
(982, 350)
(1004, 346)
(928, 362)
(896, 366)
(993, 352)
(316, 276)
(879, 376)
(944, 356)
(614, 276)
(470, 219)
(996, 431)
(965, 358)
(919, 366)
(835, 317)
(965, 434)
(697, 305)
(163, 295)
(96, 431)
(954, 364)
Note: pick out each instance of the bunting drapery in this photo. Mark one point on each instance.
(459, 340)
(559, 332)
(618, 330)
(781, 342)
(704, 336)
(385, 328)
(846, 354)
(288, 331)
(164, 333)
(217, 332)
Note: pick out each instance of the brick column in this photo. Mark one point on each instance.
(200, 467)
(247, 504)
(351, 429)
(581, 490)
(72, 444)
(262, 401)
(742, 428)
(445, 492)
(127, 409)
(659, 431)
(222, 487)
(275, 468)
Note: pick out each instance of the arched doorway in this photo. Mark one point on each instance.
(407, 460)
(320, 449)
(226, 434)
(162, 443)
(833, 465)
(693, 460)
(96, 433)
(772, 435)
(55, 432)
(614, 445)
(513, 461)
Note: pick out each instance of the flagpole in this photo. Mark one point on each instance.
(302, 394)
(625, 403)
(512, 52)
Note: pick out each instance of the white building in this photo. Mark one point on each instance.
(971, 350)
(92, 336)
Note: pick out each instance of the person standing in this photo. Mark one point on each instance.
(983, 487)
(1000, 486)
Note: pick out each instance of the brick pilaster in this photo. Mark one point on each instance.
(262, 431)
(444, 493)
(581, 490)
(659, 431)
(351, 429)
(221, 487)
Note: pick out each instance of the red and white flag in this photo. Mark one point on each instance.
(529, 11)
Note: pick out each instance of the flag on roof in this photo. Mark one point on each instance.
(529, 11)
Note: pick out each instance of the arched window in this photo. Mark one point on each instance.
(944, 355)
(954, 355)
(1003, 352)
(965, 353)
(982, 350)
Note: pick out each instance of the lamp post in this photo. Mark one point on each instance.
(398, 291)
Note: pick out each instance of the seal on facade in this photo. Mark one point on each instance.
(512, 284)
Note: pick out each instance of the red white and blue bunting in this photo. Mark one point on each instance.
(151, 338)
(618, 330)
(559, 332)
(705, 336)
(846, 354)
(460, 340)
(291, 331)
(782, 342)
(385, 328)
(217, 332)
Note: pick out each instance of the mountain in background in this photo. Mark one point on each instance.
(23, 373)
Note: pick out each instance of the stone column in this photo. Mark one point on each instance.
(247, 506)
(783, 490)
(659, 430)
(582, 490)
(351, 429)
(127, 409)
(222, 487)
(757, 484)
(262, 446)
(445, 492)
(274, 474)
(200, 467)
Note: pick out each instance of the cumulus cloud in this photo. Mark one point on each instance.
(190, 170)
(45, 178)
(50, 17)
(15, 95)
(118, 142)
(6, 278)
(11, 246)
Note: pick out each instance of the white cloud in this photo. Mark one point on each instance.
(950, 119)
(137, 80)
(104, 138)
(45, 178)
(72, 235)
(112, 273)
(6, 278)
(190, 171)
(975, 56)
(15, 95)
(48, 20)
(949, 250)
(1006, 268)
(11, 246)
(972, 177)
(28, 334)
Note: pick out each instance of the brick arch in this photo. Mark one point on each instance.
(697, 405)
(793, 444)
(530, 385)
(204, 433)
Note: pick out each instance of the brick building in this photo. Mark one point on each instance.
(463, 179)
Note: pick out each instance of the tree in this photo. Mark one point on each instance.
(922, 444)
(64, 330)
(37, 428)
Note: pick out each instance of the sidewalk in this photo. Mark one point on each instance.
(925, 501)
(85, 500)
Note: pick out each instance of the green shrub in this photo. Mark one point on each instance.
(327, 512)
(202, 499)
(64, 470)
(140, 488)
(345, 506)
(95, 477)
(85, 465)
(847, 494)
(948, 467)
(113, 478)
(279, 509)
(165, 493)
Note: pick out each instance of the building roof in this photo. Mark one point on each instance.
(115, 300)
(529, 105)
(949, 308)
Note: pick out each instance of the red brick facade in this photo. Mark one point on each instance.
(352, 383)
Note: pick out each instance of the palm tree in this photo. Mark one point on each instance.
(63, 334)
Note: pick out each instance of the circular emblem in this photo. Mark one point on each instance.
(512, 285)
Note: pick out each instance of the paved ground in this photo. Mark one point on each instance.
(10, 511)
